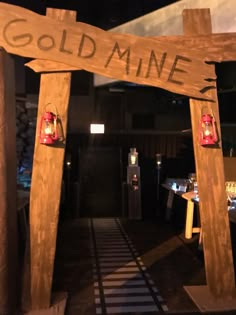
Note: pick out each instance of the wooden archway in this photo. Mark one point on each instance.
(177, 64)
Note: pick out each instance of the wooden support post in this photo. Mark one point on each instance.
(220, 290)
(8, 214)
(46, 182)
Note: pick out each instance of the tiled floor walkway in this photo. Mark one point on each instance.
(105, 264)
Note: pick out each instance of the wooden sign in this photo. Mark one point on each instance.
(217, 47)
(122, 56)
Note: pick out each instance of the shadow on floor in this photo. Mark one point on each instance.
(171, 261)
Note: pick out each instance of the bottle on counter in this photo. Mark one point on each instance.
(191, 181)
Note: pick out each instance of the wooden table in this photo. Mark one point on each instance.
(189, 197)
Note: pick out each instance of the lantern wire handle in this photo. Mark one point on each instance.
(205, 107)
(56, 116)
(54, 108)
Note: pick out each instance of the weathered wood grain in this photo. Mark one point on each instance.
(217, 47)
(8, 212)
(41, 65)
(211, 183)
(122, 56)
(46, 183)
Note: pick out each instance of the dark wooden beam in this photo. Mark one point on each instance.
(46, 182)
(8, 216)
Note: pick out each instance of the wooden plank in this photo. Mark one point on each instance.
(211, 184)
(168, 21)
(57, 308)
(189, 195)
(41, 65)
(217, 47)
(207, 303)
(46, 184)
(123, 56)
(8, 213)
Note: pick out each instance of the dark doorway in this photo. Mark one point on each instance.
(100, 182)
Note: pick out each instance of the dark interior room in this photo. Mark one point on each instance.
(127, 234)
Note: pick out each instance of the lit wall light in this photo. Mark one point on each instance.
(97, 128)
(158, 160)
(133, 157)
(68, 160)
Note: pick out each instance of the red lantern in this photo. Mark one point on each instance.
(48, 128)
(207, 130)
(134, 182)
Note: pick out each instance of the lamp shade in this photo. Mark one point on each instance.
(133, 157)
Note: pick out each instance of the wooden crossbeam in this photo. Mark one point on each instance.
(178, 65)
(122, 56)
(217, 47)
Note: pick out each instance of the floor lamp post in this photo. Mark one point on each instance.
(158, 168)
(68, 185)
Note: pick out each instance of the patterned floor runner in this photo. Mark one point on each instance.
(121, 281)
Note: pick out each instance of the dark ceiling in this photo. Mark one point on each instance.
(105, 14)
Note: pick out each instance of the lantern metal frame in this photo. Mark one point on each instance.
(212, 138)
(52, 137)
